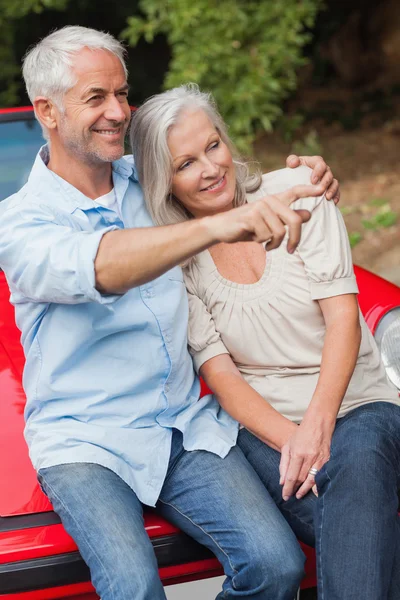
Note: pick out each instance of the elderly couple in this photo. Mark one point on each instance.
(113, 415)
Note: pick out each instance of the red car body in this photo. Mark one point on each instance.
(38, 559)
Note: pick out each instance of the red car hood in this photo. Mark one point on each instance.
(19, 491)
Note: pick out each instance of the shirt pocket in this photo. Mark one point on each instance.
(175, 274)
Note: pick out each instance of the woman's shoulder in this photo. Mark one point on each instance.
(278, 181)
(197, 272)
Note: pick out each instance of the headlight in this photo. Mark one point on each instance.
(387, 336)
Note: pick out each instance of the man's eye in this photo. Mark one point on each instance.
(123, 94)
(94, 98)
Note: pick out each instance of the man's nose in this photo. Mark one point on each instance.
(115, 110)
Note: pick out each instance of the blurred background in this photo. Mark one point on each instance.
(304, 76)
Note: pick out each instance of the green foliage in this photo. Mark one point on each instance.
(378, 202)
(309, 146)
(355, 237)
(245, 51)
(11, 11)
(385, 217)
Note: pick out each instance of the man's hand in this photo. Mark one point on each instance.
(321, 173)
(265, 219)
(127, 258)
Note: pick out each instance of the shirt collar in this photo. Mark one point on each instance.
(43, 178)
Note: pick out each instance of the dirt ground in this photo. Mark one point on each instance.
(367, 164)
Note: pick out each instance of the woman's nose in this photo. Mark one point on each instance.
(210, 168)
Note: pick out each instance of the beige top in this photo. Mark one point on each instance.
(274, 329)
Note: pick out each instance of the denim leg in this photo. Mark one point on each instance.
(104, 517)
(265, 461)
(223, 505)
(357, 525)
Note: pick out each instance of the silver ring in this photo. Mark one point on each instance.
(313, 471)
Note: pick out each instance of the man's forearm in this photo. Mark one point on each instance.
(130, 257)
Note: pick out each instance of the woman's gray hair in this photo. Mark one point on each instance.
(149, 141)
(47, 66)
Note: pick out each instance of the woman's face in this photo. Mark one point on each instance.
(204, 174)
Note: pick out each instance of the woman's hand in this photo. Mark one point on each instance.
(307, 448)
(321, 172)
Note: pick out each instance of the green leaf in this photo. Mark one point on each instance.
(354, 237)
(245, 51)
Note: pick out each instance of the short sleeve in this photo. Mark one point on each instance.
(203, 338)
(325, 250)
(47, 261)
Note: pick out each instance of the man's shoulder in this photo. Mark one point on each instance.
(15, 201)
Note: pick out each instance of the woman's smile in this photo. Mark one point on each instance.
(216, 187)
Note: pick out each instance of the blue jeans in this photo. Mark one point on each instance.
(220, 502)
(354, 522)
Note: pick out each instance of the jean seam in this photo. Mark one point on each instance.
(318, 544)
(82, 532)
(294, 517)
(204, 531)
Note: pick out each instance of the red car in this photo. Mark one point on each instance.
(38, 559)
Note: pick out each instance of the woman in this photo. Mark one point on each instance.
(279, 339)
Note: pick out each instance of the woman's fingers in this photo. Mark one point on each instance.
(292, 479)
(306, 486)
(309, 481)
(284, 463)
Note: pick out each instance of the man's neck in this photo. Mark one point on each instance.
(93, 180)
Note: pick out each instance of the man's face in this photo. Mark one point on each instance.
(96, 112)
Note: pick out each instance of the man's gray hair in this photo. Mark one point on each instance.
(149, 141)
(47, 66)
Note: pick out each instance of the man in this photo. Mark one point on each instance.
(113, 416)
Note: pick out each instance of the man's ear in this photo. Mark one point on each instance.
(45, 111)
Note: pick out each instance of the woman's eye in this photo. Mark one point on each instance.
(185, 165)
(214, 145)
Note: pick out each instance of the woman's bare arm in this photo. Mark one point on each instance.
(310, 444)
(244, 404)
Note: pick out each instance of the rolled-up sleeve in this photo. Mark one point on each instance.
(47, 261)
(325, 250)
(203, 338)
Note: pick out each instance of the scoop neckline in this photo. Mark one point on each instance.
(234, 284)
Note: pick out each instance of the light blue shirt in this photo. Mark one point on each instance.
(106, 376)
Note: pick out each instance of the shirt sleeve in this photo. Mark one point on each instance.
(203, 338)
(47, 261)
(325, 250)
